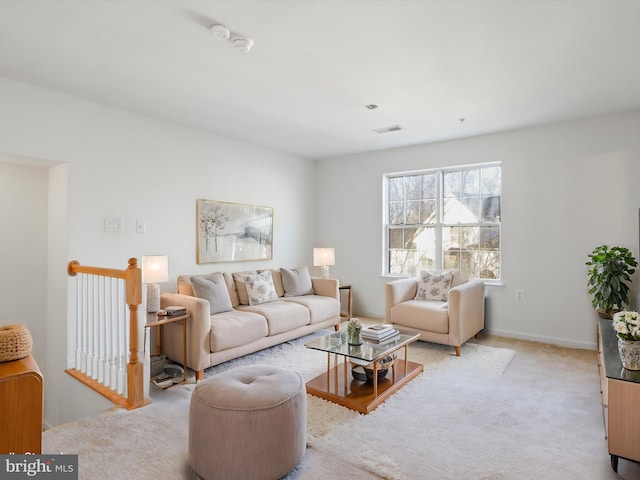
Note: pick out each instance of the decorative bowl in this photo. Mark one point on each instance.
(365, 373)
(358, 373)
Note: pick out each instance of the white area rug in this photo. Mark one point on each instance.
(425, 430)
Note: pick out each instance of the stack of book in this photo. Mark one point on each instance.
(379, 333)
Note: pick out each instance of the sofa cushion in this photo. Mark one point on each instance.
(296, 281)
(260, 288)
(233, 292)
(277, 280)
(434, 285)
(321, 308)
(281, 316)
(214, 289)
(236, 328)
(241, 288)
(185, 288)
(430, 315)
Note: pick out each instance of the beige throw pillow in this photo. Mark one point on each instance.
(214, 289)
(296, 282)
(434, 285)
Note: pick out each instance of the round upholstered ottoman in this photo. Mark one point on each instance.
(248, 423)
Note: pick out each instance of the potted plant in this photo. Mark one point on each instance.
(354, 332)
(611, 269)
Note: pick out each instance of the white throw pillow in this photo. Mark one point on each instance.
(434, 285)
(241, 288)
(214, 289)
(296, 282)
(260, 288)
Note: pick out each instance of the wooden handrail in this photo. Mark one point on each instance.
(133, 290)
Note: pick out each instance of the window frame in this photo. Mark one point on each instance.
(439, 225)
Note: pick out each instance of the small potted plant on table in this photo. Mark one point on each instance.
(354, 332)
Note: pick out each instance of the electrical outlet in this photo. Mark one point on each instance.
(108, 224)
(519, 295)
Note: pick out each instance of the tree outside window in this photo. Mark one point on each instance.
(444, 219)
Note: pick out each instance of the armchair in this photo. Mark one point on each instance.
(449, 323)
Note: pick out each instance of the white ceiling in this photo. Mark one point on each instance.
(316, 64)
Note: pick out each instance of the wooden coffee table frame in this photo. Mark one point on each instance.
(338, 386)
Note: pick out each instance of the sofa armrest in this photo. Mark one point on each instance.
(399, 291)
(199, 328)
(327, 287)
(466, 311)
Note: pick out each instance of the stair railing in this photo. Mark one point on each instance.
(107, 332)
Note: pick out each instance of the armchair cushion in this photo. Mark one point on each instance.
(434, 285)
(214, 289)
(429, 315)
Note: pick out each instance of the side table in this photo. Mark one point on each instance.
(348, 289)
(154, 320)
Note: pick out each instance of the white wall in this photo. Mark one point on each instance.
(566, 189)
(114, 163)
(23, 251)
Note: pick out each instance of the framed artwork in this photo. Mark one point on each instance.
(233, 232)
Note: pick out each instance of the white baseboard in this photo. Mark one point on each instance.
(562, 342)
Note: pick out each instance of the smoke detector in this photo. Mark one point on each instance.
(239, 42)
(221, 32)
(242, 44)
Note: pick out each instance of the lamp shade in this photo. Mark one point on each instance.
(155, 268)
(324, 257)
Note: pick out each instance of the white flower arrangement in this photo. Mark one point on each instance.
(627, 325)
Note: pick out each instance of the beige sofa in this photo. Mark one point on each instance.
(214, 338)
(451, 322)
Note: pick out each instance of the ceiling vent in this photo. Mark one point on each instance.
(392, 128)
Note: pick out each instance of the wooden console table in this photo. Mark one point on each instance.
(620, 398)
(21, 397)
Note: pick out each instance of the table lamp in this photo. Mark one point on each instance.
(323, 257)
(155, 270)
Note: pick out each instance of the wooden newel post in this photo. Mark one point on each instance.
(135, 368)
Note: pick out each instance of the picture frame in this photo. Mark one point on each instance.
(233, 232)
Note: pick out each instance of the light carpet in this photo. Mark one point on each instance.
(444, 424)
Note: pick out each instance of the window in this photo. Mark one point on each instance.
(444, 218)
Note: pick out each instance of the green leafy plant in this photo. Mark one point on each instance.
(354, 327)
(611, 269)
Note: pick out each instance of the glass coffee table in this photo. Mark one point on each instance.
(337, 384)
